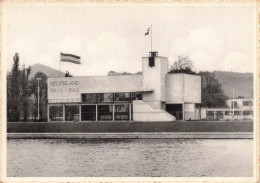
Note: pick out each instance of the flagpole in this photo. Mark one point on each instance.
(59, 66)
(151, 37)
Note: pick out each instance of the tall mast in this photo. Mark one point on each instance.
(151, 37)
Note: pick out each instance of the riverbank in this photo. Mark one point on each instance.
(187, 135)
(129, 127)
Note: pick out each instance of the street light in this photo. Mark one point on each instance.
(38, 79)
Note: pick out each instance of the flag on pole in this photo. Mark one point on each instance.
(64, 57)
(147, 32)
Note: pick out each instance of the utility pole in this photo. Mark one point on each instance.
(38, 79)
(233, 102)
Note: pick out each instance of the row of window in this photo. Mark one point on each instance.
(245, 103)
(89, 112)
(110, 97)
(244, 113)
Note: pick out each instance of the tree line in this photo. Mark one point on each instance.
(22, 93)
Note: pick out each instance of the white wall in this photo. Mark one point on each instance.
(189, 111)
(240, 103)
(192, 88)
(72, 87)
(154, 79)
(174, 88)
(183, 88)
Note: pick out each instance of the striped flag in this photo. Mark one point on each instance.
(147, 32)
(64, 57)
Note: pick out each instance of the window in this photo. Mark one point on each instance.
(122, 97)
(106, 97)
(247, 103)
(56, 113)
(90, 98)
(137, 96)
(122, 112)
(105, 112)
(88, 112)
(237, 113)
(233, 104)
(246, 113)
(70, 112)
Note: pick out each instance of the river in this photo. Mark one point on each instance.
(129, 157)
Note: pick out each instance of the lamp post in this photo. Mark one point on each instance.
(38, 79)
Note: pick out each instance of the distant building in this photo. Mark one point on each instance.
(153, 95)
(243, 110)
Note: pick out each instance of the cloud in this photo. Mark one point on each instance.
(240, 62)
(71, 44)
(208, 52)
(27, 50)
(108, 51)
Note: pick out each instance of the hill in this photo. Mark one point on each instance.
(243, 83)
(50, 72)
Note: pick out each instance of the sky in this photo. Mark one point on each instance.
(111, 37)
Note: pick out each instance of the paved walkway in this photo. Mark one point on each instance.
(161, 135)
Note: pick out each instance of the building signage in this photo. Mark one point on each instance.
(64, 86)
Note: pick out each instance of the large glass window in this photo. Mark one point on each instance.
(88, 113)
(137, 96)
(105, 112)
(247, 103)
(122, 97)
(246, 113)
(106, 97)
(90, 98)
(233, 104)
(121, 112)
(56, 113)
(237, 113)
(70, 112)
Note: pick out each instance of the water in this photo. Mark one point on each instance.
(135, 158)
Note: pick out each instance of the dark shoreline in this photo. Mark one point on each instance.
(129, 127)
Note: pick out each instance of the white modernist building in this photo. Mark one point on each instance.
(237, 109)
(154, 95)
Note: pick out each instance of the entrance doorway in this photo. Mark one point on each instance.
(175, 110)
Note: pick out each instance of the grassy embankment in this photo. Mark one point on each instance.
(121, 127)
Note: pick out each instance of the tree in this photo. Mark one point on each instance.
(17, 91)
(212, 95)
(14, 91)
(25, 93)
(182, 65)
(42, 94)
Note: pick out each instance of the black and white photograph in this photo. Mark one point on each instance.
(130, 90)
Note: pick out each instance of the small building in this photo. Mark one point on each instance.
(238, 109)
(153, 95)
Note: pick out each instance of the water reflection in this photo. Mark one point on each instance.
(130, 157)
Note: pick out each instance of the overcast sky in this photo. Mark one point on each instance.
(112, 37)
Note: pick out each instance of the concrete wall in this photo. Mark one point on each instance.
(72, 87)
(183, 88)
(175, 89)
(144, 112)
(154, 79)
(190, 112)
(192, 88)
